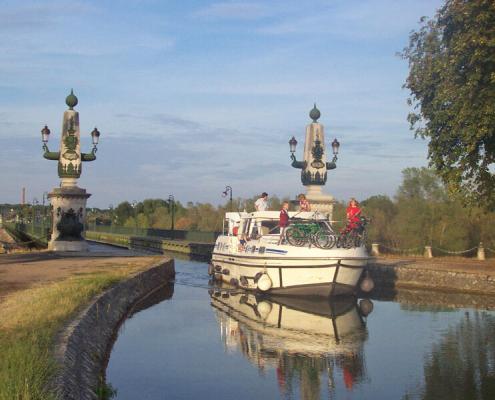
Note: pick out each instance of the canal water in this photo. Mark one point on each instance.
(191, 340)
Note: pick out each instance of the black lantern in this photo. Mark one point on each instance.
(293, 144)
(95, 134)
(335, 146)
(45, 133)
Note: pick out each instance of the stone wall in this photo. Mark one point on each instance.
(407, 276)
(82, 347)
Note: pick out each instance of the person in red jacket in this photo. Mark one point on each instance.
(353, 214)
(284, 220)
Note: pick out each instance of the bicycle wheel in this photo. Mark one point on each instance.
(349, 241)
(332, 240)
(319, 239)
(357, 241)
(295, 237)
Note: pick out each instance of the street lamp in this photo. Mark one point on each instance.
(43, 217)
(171, 205)
(45, 134)
(110, 207)
(292, 144)
(95, 136)
(33, 221)
(228, 189)
(335, 149)
(134, 205)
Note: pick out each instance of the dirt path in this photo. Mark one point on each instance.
(21, 271)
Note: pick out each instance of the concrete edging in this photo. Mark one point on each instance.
(407, 276)
(82, 347)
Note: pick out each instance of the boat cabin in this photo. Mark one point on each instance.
(264, 223)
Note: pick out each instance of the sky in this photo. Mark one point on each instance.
(191, 96)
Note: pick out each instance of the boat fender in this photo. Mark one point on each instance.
(218, 268)
(365, 307)
(244, 281)
(367, 283)
(257, 277)
(218, 277)
(211, 269)
(264, 283)
(264, 309)
(234, 282)
(225, 271)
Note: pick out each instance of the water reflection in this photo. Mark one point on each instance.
(309, 343)
(462, 364)
(164, 292)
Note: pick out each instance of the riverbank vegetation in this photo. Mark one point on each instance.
(30, 320)
(422, 212)
(452, 86)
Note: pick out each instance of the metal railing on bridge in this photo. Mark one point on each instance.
(191, 236)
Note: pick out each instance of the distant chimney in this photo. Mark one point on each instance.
(23, 199)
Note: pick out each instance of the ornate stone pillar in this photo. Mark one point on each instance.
(315, 166)
(68, 202)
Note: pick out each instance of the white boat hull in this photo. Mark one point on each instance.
(291, 270)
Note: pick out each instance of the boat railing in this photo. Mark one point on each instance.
(325, 236)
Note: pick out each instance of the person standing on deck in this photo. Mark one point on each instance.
(304, 203)
(353, 213)
(261, 205)
(283, 221)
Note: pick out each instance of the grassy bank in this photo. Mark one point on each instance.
(30, 320)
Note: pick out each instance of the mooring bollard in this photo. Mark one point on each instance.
(428, 253)
(375, 249)
(481, 252)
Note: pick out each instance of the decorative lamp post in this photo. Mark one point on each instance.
(314, 165)
(43, 217)
(228, 190)
(292, 146)
(134, 208)
(171, 205)
(68, 202)
(33, 221)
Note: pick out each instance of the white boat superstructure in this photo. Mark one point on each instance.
(250, 255)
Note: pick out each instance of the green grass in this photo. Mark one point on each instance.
(29, 322)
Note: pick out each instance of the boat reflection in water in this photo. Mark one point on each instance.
(309, 343)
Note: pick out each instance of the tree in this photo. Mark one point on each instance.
(452, 84)
(123, 211)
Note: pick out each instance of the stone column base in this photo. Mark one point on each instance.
(321, 202)
(65, 245)
(71, 201)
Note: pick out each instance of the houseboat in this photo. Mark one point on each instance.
(311, 258)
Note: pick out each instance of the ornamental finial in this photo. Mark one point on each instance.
(71, 100)
(314, 114)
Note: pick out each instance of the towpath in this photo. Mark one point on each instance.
(20, 271)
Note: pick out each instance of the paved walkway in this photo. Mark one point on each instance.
(21, 270)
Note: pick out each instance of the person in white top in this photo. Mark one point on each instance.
(261, 205)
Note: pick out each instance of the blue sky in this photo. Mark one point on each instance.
(190, 96)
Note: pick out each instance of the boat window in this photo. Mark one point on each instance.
(269, 228)
(246, 226)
